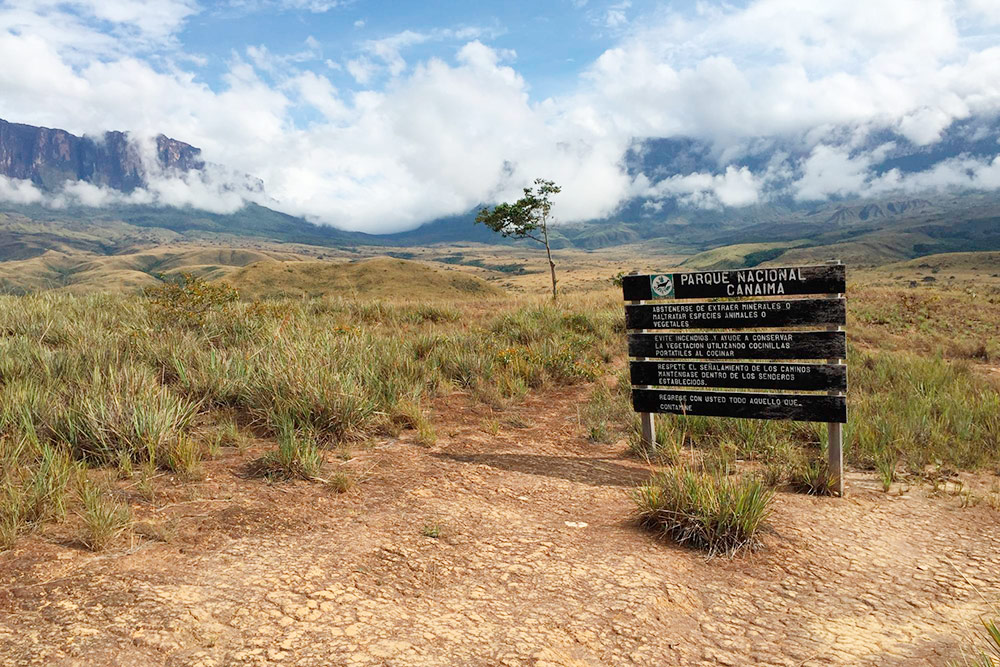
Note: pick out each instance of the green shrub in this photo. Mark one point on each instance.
(189, 300)
(183, 456)
(120, 415)
(812, 476)
(45, 491)
(341, 482)
(12, 520)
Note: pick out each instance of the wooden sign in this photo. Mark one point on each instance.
(740, 375)
(802, 407)
(740, 345)
(719, 355)
(736, 314)
(759, 281)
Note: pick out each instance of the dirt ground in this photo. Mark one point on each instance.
(536, 563)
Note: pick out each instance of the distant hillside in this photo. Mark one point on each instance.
(737, 256)
(861, 232)
(81, 272)
(28, 231)
(380, 277)
(961, 264)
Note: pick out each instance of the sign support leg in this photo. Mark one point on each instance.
(648, 430)
(835, 434)
(835, 455)
(646, 418)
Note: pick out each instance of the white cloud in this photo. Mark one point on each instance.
(385, 55)
(615, 16)
(781, 66)
(830, 171)
(275, 64)
(362, 69)
(19, 191)
(734, 187)
(420, 138)
(314, 6)
(83, 29)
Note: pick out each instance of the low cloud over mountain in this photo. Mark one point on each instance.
(56, 168)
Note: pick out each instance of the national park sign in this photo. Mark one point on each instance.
(680, 350)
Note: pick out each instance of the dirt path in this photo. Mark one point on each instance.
(535, 564)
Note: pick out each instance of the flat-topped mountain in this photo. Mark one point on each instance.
(50, 157)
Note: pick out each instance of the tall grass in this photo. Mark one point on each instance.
(105, 517)
(122, 381)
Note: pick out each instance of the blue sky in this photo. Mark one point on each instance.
(550, 42)
(379, 116)
(550, 65)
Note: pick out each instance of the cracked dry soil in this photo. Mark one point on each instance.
(536, 563)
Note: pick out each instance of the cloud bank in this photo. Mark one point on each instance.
(412, 139)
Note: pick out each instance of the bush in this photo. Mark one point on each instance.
(12, 521)
(120, 415)
(712, 511)
(188, 301)
(812, 477)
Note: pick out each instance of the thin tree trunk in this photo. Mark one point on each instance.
(552, 265)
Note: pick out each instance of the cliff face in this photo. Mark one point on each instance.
(48, 157)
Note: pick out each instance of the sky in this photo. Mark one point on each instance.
(379, 116)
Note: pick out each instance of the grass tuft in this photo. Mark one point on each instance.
(12, 521)
(812, 477)
(105, 518)
(297, 456)
(988, 655)
(714, 511)
(341, 482)
(184, 457)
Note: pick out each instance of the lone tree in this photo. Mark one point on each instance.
(525, 217)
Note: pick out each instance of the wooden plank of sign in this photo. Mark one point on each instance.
(759, 281)
(736, 314)
(744, 405)
(740, 345)
(740, 375)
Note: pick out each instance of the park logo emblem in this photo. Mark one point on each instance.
(662, 286)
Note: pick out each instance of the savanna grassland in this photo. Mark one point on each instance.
(114, 406)
(134, 385)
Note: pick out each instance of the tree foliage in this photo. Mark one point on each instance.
(527, 218)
